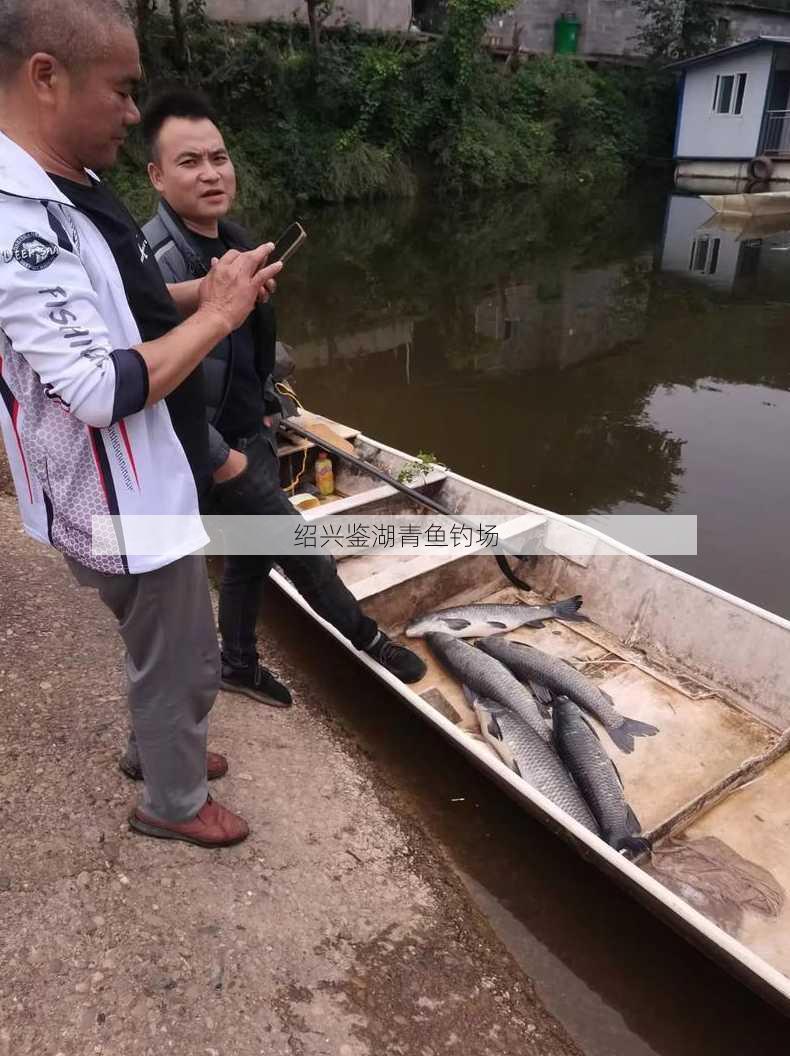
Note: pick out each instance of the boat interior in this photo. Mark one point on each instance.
(713, 674)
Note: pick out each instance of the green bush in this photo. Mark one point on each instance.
(372, 115)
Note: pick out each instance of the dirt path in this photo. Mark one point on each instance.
(335, 929)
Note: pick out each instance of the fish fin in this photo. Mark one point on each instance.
(534, 623)
(624, 735)
(607, 697)
(517, 769)
(455, 624)
(541, 693)
(631, 846)
(470, 694)
(615, 768)
(568, 610)
(497, 624)
(632, 821)
(622, 738)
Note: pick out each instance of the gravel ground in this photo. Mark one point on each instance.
(337, 928)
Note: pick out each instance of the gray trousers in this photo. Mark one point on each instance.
(172, 662)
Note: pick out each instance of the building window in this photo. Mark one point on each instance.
(705, 255)
(729, 93)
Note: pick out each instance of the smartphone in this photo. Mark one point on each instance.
(287, 244)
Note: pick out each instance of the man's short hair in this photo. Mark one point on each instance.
(175, 102)
(73, 31)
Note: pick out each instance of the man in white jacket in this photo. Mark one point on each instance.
(100, 387)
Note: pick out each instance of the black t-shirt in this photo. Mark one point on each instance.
(243, 406)
(153, 309)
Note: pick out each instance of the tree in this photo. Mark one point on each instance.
(318, 11)
(181, 54)
(143, 10)
(677, 29)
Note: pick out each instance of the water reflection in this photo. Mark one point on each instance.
(739, 255)
(524, 341)
(589, 356)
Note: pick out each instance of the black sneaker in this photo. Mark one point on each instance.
(402, 662)
(256, 682)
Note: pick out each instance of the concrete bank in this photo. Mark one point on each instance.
(337, 928)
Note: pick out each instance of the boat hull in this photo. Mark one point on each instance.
(759, 734)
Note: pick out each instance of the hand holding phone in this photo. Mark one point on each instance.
(287, 244)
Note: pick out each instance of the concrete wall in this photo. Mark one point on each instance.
(705, 134)
(608, 26)
(746, 24)
(370, 14)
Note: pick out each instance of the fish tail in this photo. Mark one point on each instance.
(569, 610)
(623, 735)
(632, 846)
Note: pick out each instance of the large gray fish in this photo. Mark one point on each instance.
(540, 669)
(525, 752)
(478, 621)
(597, 777)
(488, 678)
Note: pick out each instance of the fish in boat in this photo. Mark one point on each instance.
(487, 677)
(479, 621)
(548, 675)
(531, 757)
(598, 778)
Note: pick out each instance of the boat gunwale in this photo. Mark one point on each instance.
(626, 550)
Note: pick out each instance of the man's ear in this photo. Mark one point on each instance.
(45, 75)
(155, 176)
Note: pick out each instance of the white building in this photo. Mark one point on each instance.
(734, 106)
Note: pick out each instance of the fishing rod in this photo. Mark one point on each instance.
(417, 496)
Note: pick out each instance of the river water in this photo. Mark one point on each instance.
(590, 356)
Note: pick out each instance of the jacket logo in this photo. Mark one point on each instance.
(33, 252)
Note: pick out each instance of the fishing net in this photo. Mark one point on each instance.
(717, 880)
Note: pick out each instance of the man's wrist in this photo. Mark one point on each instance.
(215, 320)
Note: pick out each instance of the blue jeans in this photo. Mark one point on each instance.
(257, 491)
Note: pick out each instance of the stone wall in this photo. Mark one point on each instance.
(370, 14)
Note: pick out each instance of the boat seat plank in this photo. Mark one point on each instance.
(385, 577)
(365, 498)
(290, 447)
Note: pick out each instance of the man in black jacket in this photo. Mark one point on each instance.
(191, 169)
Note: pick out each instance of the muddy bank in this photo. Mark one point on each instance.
(336, 928)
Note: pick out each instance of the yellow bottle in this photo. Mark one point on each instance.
(324, 474)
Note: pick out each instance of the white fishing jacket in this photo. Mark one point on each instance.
(78, 439)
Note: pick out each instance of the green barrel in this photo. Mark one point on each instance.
(566, 34)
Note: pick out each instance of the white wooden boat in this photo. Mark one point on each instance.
(771, 203)
(710, 670)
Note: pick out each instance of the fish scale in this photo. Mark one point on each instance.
(533, 665)
(479, 621)
(596, 776)
(535, 760)
(487, 677)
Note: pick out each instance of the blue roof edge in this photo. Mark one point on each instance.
(711, 56)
